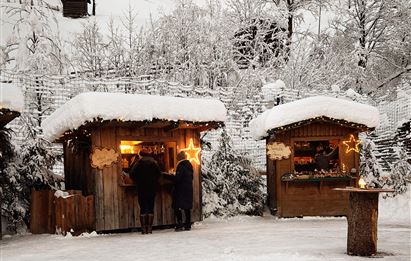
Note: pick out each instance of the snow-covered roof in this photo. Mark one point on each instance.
(90, 106)
(310, 108)
(11, 97)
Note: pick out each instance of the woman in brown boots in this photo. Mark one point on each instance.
(145, 174)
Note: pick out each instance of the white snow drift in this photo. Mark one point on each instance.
(129, 107)
(313, 107)
(11, 97)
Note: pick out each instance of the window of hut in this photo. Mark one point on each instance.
(316, 156)
(163, 152)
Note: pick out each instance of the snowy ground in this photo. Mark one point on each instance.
(240, 238)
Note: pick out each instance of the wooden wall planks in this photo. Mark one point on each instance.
(293, 199)
(116, 207)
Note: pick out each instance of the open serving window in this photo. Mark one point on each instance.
(163, 152)
(316, 156)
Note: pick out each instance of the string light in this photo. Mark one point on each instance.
(342, 123)
(352, 141)
(192, 152)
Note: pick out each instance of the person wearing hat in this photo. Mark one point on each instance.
(146, 173)
(183, 192)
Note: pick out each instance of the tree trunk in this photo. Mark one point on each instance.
(362, 224)
(94, 8)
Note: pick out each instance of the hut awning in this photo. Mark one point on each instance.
(99, 106)
(11, 97)
(312, 108)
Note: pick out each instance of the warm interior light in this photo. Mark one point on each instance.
(192, 152)
(129, 146)
(361, 183)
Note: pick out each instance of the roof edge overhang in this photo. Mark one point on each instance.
(7, 115)
(323, 119)
(166, 125)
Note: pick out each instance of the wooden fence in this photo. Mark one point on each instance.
(49, 214)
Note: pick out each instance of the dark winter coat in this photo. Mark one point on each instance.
(183, 186)
(145, 173)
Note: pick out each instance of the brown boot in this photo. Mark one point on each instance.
(150, 219)
(143, 223)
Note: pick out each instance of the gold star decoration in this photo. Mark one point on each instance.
(192, 152)
(352, 144)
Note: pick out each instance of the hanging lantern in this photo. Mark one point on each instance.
(361, 183)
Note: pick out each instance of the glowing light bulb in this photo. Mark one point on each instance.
(362, 183)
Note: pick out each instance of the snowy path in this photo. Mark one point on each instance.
(241, 238)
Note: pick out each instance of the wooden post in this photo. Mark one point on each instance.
(362, 224)
(362, 220)
(1, 232)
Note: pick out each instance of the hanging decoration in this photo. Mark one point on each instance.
(352, 144)
(278, 151)
(193, 153)
(103, 157)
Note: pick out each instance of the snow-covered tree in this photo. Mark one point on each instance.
(30, 169)
(35, 45)
(90, 49)
(376, 36)
(400, 172)
(37, 157)
(370, 169)
(14, 205)
(231, 186)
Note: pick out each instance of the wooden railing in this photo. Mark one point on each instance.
(49, 214)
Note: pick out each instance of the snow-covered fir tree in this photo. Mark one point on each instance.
(13, 204)
(30, 169)
(231, 185)
(370, 169)
(38, 158)
(400, 172)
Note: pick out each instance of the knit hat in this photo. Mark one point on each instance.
(181, 156)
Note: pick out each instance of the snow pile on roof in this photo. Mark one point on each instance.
(313, 107)
(11, 97)
(129, 107)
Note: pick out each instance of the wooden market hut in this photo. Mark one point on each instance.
(103, 132)
(11, 105)
(75, 8)
(312, 148)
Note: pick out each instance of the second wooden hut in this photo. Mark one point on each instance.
(312, 148)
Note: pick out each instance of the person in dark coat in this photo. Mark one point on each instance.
(322, 158)
(183, 192)
(146, 174)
